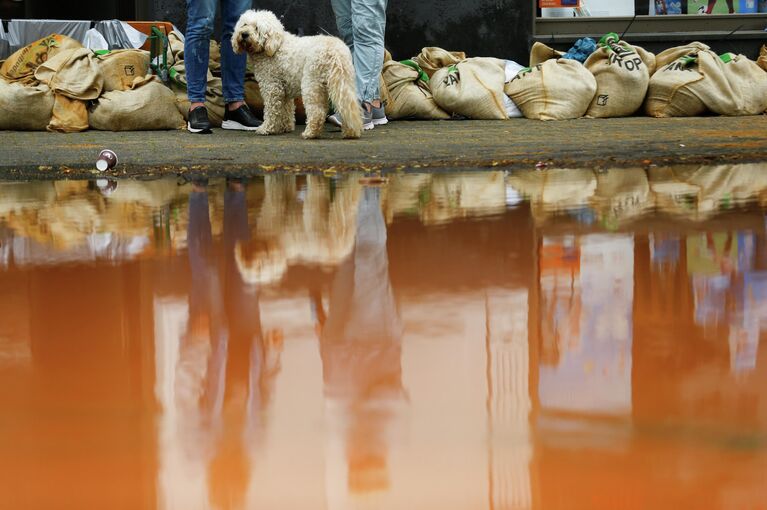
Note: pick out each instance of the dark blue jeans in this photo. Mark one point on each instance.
(200, 17)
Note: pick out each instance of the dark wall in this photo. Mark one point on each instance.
(497, 28)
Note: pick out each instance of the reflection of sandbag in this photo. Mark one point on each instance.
(72, 73)
(472, 88)
(68, 116)
(622, 192)
(623, 74)
(541, 53)
(21, 65)
(407, 195)
(432, 59)
(724, 183)
(151, 106)
(464, 195)
(121, 67)
(703, 81)
(554, 90)
(408, 95)
(25, 107)
(555, 188)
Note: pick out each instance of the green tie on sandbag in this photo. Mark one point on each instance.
(623, 74)
(432, 59)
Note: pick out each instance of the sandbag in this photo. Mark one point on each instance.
(25, 108)
(730, 85)
(68, 115)
(623, 74)
(432, 59)
(669, 93)
(554, 90)
(472, 88)
(120, 68)
(762, 61)
(72, 73)
(408, 94)
(21, 66)
(151, 106)
(540, 53)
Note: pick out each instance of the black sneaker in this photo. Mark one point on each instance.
(198, 121)
(241, 118)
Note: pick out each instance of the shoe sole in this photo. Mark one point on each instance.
(380, 122)
(204, 131)
(234, 125)
(334, 121)
(368, 126)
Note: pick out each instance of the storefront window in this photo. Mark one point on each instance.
(623, 8)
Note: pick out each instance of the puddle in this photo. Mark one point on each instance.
(551, 339)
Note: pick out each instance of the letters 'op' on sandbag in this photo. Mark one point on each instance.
(623, 74)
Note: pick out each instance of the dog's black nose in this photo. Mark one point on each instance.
(244, 35)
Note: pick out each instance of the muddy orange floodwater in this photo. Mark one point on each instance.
(558, 339)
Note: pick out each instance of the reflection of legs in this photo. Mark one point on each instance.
(730, 7)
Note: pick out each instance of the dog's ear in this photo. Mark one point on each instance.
(273, 42)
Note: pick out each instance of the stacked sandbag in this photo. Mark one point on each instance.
(623, 75)
(701, 81)
(74, 78)
(762, 61)
(557, 89)
(433, 59)
(21, 66)
(149, 106)
(407, 92)
(472, 88)
(25, 108)
(121, 68)
(671, 55)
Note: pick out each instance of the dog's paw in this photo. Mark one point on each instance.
(261, 131)
(310, 135)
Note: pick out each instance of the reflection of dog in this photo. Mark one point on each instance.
(260, 262)
(286, 66)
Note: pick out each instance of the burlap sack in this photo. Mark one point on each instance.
(623, 74)
(25, 108)
(472, 88)
(151, 106)
(665, 58)
(669, 93)
(72, 73)
(762, 61)
(21, 66)
(703, 81)
(734, 88)
(120, 68)
(432, 59)
(622, 193)
(407, 94)
(554, 90)
(68, 116)
(541, 53)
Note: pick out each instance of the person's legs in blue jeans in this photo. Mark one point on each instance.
(232, 65)
(200, 17)
(368, 31)
(343, 12)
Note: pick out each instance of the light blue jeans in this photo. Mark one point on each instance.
(200, 17)
(362, 26)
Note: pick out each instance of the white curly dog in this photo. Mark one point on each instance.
(287, 66)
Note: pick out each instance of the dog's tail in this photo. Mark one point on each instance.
(343, 93)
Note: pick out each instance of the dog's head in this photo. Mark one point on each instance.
(258, 32)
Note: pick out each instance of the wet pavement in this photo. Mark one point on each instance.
(557, 339)
(518, 143)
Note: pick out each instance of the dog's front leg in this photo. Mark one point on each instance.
(274, 109)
